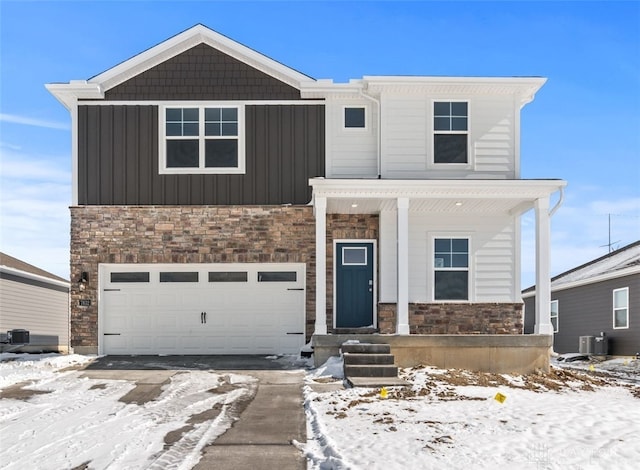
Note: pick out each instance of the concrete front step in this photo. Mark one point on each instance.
(364, 359)
(374, 382)
(351, 370)
(366, 348)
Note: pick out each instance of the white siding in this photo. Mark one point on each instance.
(388, 256)
(351, 153)
(493, 260)
(44, 312)
(404, 124)
(407, 138)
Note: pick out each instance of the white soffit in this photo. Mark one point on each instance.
(436, 196)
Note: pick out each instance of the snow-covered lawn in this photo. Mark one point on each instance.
(452, 419)
(581, 416)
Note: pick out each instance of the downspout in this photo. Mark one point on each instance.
(379, 139)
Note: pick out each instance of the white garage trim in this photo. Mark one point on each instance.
(222, 308)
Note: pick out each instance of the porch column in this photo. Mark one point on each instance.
(543, 324)
(320, 210)
(402, 325)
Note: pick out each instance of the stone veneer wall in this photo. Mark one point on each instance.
(456, 318)
(182, 234)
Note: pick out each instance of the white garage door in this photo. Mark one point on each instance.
(202, 308)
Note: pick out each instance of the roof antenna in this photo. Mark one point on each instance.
(610, 245)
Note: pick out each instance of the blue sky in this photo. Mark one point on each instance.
(583, 126)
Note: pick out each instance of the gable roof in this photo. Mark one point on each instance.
(95, 87)
(618, 263)
(16, 266)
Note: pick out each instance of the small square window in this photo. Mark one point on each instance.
(354, 118)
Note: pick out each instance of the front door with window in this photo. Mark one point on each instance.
(354, 284)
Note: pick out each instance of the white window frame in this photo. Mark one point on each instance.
(469, 163)
(355, 129)
(556, 326)
(618, 308)
(201, 169)
(469, 269)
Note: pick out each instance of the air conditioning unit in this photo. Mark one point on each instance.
(601, 346)
(586, 345)
(18, 337)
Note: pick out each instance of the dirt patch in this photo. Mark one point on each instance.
(19, 392)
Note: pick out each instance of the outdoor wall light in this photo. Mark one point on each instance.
(84, 277)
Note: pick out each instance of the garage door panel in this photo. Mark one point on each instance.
(211, 316)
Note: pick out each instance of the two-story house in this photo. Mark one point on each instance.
(224, 203)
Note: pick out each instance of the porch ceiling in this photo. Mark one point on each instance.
(434, 196)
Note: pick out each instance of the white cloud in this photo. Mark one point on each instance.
(28, 121)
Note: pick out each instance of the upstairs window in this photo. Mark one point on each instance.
(450, 132)
(354, 118)
(621, 308)
(451, 269)
(202, 139)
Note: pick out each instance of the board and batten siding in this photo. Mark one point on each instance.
(493, 244)
(587, 310)
(351, 153)
(407, 138)
(118, 161)
(41, 309)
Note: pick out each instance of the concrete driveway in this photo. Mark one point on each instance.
(268, 418)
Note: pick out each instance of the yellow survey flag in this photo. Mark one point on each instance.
(383, 392)
(500, 397)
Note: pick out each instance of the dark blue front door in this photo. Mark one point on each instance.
(354, 285)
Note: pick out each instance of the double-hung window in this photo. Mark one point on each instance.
(451, 269)
(621, 308)
(554, 315)
(450, 132)
(202, 139)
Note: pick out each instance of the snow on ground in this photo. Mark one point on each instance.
(583, 415)
(452, 419)
(73, 422)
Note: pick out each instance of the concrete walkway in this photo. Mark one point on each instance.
(261, 438)
(267, 421)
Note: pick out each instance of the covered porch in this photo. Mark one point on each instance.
(399, 204)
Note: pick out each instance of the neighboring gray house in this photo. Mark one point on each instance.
(602, 296)
(34, 300)
(224, 203)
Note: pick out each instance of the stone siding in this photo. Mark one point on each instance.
(182, 234)
(456, 318)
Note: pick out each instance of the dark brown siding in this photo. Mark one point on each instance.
(588, 310)
(203, 73)
(118, 159)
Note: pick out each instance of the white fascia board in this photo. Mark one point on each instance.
(325, 88)
(187, 39)
(35, 277)
(69, 93)
(592, 280)
(524, 88)
(497, 189)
